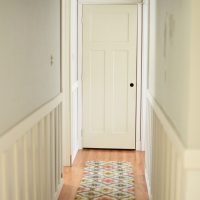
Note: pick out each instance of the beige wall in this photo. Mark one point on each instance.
(194, 101)
(174, 64)
(30, 34)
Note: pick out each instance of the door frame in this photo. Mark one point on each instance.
(138, 67)
(66, 82)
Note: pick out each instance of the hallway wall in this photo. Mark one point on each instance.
(174, 65)
(30, 35)
(194, 93)
(31, 164)
(169, 64)
(31, 158)
(173, 96)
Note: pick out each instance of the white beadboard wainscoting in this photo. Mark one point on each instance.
(31, 156)
(172, 171)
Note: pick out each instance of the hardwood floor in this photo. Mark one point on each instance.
(73, 175)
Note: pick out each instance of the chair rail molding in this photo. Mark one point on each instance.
(31, 163)
(172, 170)
(116, 2)
(12, 135)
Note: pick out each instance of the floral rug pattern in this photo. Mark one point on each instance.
(107, 181)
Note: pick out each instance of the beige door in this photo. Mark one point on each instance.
(109, 71)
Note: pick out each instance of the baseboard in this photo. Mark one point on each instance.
(74, 155)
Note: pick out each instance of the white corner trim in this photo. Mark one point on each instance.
(74, 154)
(10, 137)
(75, 86)
(148, 185)
(59, 188)
(138, 145)
(139, 81)
(80, 97)
(107, 2)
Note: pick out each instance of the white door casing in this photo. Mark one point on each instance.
(109, 66)
(74, 79)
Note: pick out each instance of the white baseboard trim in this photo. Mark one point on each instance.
(74, 155)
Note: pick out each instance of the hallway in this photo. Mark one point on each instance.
(99, 74)
(73, 175)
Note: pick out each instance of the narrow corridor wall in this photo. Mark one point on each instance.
(29, 77)
(174, 65)
(172, 161)
(194, 91)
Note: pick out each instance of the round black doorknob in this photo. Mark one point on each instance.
(131, 84)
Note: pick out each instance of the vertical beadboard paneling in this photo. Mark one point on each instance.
(35, 153)
(167, 173)
(42, 155)
(1, 179)
(31, 168)
(53, 161)
(152, 173)
(164, 166)
(60, 142)
(173, 174)
(26, 167)
(61, 139)
(9, 164)
(48, 153)
(57, 146)
(28, 149)
(179, 179)
(20, 168)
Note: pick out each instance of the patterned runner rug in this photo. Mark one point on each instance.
(107, 181)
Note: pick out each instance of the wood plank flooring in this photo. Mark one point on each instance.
(73, 175)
